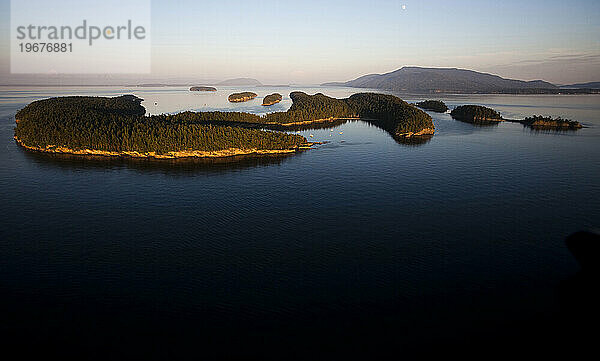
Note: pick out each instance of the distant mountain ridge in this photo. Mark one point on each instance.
(240, 82)
(590, 85)
(443, 80)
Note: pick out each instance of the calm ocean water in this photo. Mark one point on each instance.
(361, 244)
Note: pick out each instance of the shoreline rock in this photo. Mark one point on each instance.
(308, 122)
(422, 132)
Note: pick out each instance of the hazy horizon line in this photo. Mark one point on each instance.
(137, 80)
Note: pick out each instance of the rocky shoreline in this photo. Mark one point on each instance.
(169, 155)
(422, 132)
(308, 122)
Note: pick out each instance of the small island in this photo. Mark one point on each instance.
(272, 99)
(437, 106)
(241, 97)
(476, 114)
(480, 115)
(541, 122)
(203, 89)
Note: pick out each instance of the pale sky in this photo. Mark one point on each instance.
(310, 42)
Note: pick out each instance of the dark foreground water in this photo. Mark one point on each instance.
(362, 248)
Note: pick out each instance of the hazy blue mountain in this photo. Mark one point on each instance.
(432, 80)
(590, 85)
(240, 82)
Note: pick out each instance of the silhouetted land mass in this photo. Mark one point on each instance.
(433, 105)
(559, 91)
(241, 97)
(203, 89)
(119, 125)
(476, 114)
(589, 85)
(541, 122)
(452, 80)
(272, 99)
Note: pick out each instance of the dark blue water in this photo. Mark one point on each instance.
(362, 245)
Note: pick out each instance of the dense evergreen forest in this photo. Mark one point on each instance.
(118, 124)
(437, 106)
(390, 113)
(387, 111)
(475, 114)
(311, 107)
(538, 121)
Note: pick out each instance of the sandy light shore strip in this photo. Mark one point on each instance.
(169, 155)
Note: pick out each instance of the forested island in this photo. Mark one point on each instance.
(118, 126)
(437, 106)
(241, 97)
(392, 114)
(203, 89)
(541, 122)
(386, 111)
(272, 99)
(476, 114)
